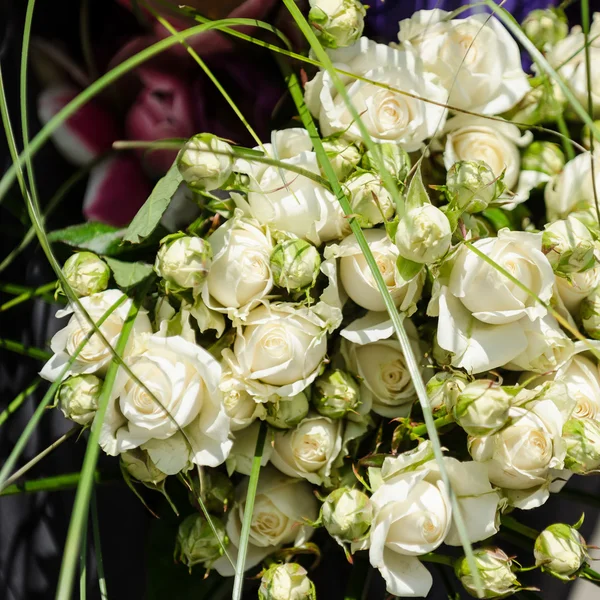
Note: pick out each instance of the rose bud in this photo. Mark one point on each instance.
(205, 162)
(337, 23)
(334, 393)
(285, 413)
(482, 407)
(586, 137)
(218, 491)
(295, 264)
(423, 234)
(443, 389)
(494, 566)
(347, 514)
(560, 550)
(141, 467)
(343, 155)
(287, 581)
(78, 398)
(196, 542)
(544, 157)
(568, 246)
(472, 185)
(371, 202)
(184, 262)
(86, 273)
(545, 27)
(394, 158)
(574, 289)
(589, 311)
(582, 439)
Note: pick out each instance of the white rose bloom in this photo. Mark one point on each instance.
(481, 312)
(574, 71)
(381, 368)
(580, 285)
(95, 356)
(279, 350)
(244, 446)
(413, 515)
(240, 406)
(573, 189)
(523, 454)
(309, 450)
(388, 116)
(184, 378)
(495, 143)
(357, 280)
(287, 201)
(281, 507)
(476, 59)
(240, 275)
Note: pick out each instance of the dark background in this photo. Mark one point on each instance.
(137, 549)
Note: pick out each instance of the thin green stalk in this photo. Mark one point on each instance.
(40, 291)
(439, 423)
(19, 348)
(98, 549)
(514, 525)
(36, 459)
(248, 510)
(56, 483)
(411, 361)
(18, 401)
(440, 559)
(83, 565)
(86, 42)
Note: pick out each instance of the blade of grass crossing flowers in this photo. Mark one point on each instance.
(18, 401)
(248, 510)
(83, 565)
(410, 358)
(98, 549)
(55, 483)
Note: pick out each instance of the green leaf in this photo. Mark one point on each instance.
(148, 217)
(407, 268)
(129, 274)
(417, 195)
(497, 217)
(95, 237)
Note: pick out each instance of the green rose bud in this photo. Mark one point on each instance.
(482, 407)
(196, 543)
(205, 162)
(560, 550)
(589, 311)
(285, 413)
(568, 246)
(295, 265)
(347, 514)
(395, 160)
(545, 27)
(586, 137)
(334, 393)
(343, 156)
(184, 262)
(444, 388)
(140, 466)
(287, 581)
(218, 491)
(544, 157)
(494, 567)
(337, 23)
(78, 398)
(423, 234)
(541, 104)
(472, 185)
(582, 439)
(86, 273)
(370, 201)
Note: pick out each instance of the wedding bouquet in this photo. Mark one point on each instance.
(383, 325)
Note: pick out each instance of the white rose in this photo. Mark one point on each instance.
(580, 285)
(78, 398)
(240, 275)
(357, 280)
(239, 405)
(381, 368)
(184, 378)
(205, 162)
(309, 450)
(476, 59)
(560, 550)
(281, 507)
(388, 116)
(481, 312)
(495, 143)
(413, 515)
(369, 199)
(244, 447)
(279, 350)
(573, 189)
(95, 356)
(286, 581)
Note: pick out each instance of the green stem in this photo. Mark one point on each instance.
(440, 559)
(591, 575)
(514, 525)
(98, 549)
(56, 483)
(40, 291)
(19, 348)
(83, 566)
(18, 401)
(440, 422)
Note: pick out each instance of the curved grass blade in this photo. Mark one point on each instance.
(43, 290)
(98, 549)
(83, 565)
(56, 483)
(18, 401)
(19, 348)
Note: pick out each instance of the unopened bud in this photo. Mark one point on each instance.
(78, 398)
(394, 158)
(343, 156)
(568, 246)
(482, 407)
(140, 466)
(205, 162)
(86, 273)
(589, 311)
(472, 185)
(545, 157)
(295, 264)
(545, 27)
(347, 514)
(370, 201)
(560, 550)
(334, 393)
(337, 23)
(196, 542)
(285, 413)
(287, 581)
(582, 439)
(444, 388)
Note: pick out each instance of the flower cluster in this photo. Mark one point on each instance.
(274, 318)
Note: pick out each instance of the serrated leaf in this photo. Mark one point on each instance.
(129, 274)
(417, 195)
(148, 217)
(95, 237)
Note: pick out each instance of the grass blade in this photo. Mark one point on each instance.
(19, 348)
(56, 483)
(43, 290)
(18, 401)
(98, 549)
(83, 565)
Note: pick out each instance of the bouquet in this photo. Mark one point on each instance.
(379, 335)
